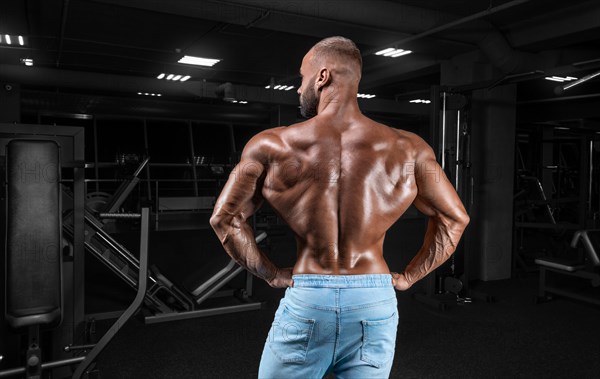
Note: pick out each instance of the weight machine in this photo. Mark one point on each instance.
(451, 138)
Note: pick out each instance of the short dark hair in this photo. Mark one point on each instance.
(339, 47)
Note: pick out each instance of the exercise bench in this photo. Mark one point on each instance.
(589, 269)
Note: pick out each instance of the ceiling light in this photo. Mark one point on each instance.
(560, 78)
(280, 87)
(384, 51)
(365, 96)
(420, 101)
(393, 53)
(174, 77)
(198, 61)
(401, 53)
(149, 94)
(13, 40)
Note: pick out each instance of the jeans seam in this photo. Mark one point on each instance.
(314, 306)
(370, 305)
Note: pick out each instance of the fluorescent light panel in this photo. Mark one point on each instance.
(365, 96)
(173, 77)
(420, 101)
(8, 39)
(560, 79)
(393, 53)
(384, 51)
(280, 87)
(199, 61)
(401, 53)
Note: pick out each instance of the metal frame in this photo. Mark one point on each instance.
(573, 270)
(135, 305)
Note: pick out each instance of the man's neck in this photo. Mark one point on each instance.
(338, 102)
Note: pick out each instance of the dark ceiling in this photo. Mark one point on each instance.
(116, 48)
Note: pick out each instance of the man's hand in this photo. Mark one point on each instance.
(282, 279)
(400, 282)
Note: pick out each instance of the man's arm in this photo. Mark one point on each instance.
(448, 219)
(240, 198)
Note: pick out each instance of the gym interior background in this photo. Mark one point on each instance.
(507, 93)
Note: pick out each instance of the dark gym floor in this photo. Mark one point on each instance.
(510, 338)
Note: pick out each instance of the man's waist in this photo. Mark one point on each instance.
(343, 281)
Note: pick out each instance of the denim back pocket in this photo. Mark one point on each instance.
(379, 340)
(289, 336)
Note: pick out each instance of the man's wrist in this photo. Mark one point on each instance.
(272, 277)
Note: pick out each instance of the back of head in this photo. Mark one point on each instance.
(341, 50)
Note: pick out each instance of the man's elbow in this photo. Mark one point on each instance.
(217, 222)
(462, 220)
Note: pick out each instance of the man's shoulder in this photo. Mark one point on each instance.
(405, 140)
(264, 144)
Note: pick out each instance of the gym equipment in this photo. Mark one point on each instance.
(451, 136)
(206, 284)
(34, 366)
(166, 300)
(552, 197)
(140, 293)
(587, 269)
(34, 294)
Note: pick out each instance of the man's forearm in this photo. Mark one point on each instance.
(441, 240)
(239, 243)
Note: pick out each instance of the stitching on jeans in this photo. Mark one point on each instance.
(308, 322)
(365, 323)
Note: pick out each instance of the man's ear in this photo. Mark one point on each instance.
(323, 78)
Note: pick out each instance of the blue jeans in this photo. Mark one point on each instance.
(345, 324)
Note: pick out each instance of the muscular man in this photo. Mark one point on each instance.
(339, 180)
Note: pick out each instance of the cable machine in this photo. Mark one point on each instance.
(450, 131)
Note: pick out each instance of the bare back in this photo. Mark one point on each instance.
(340, 187)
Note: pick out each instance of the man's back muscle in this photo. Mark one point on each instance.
(340, 187)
